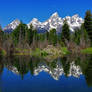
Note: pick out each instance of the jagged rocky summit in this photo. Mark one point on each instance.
(54, 21)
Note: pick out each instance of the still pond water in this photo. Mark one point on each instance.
(33, 74)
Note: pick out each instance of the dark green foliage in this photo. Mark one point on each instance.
(66, 65)
(1, 33)
(19, 33)
(15, 35)
(1, 36)
(0, 29)
(53, 37)
(47, 35)
(80, 34)
(65, 35)
(84, 33)
(88, 23)
(88, 73)
(53, 64)
(43, 36)
(77, 36)
(31, 67)
(43, 53)
(30, 35)
(35, 35)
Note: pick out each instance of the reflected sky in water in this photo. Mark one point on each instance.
(32, 74)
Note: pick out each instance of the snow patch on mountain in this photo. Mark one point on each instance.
(10, 27)
(57, 22)
(54, 21)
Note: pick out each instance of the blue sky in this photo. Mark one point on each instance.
(25, 10)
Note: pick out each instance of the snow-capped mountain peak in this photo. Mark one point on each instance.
(35, 23)
(55, 21)
(75, 16)
(10, 27)
(34, 20)
(55, 14)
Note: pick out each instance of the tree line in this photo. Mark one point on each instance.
(24, 37)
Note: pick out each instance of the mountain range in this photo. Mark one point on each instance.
(55, 73)
(55, 21)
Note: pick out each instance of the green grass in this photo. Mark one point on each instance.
(2, 52)
(20, 51)
(41, 52)
(87, 51)
(36, 52)
(44, 53)
(64, 50)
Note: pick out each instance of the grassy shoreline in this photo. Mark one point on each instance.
(46, 52)
(52, 51)
(87, 51)
(2, 52)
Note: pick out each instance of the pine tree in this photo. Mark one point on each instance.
(80, 36)
(88, 24)
(35, 39)
(65, 34)
(30, 35)
(77, 36)
(53, 36)
(1, 36)
(47, 35)
(19, 34)
(35, 35)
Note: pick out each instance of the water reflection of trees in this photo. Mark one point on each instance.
(25, 64)
(1, 67)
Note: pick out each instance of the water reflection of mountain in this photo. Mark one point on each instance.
(68, 66)
(58, 70)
